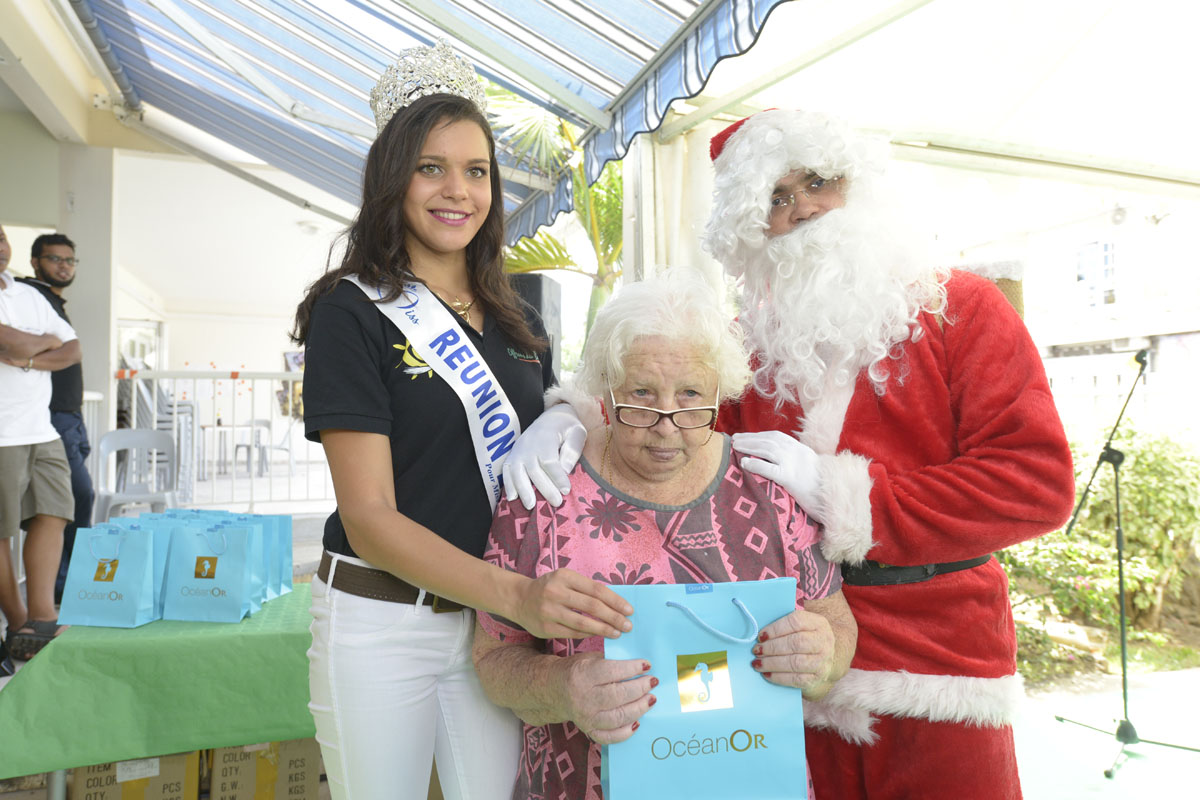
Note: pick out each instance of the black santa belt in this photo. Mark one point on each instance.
(873, 573)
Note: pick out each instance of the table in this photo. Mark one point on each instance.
(225, 441)
(96, 695)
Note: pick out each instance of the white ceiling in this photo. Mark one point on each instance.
(8, 100)
(1110, 79)
(207, 241)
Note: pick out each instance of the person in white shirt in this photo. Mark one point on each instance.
(35, 493)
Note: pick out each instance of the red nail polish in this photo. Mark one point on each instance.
(756, 663)
(653, 700)
(637, 725)
(653, 681)
(766, 674)
(762, 637)
(757, 650)
(645, 667)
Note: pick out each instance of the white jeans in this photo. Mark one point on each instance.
(391, 686)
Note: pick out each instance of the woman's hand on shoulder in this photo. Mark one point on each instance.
(605, 699)
(565, 605)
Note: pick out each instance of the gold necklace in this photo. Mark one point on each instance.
(461, 308)
(604, 458)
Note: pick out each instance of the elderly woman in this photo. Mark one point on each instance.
(657, 498)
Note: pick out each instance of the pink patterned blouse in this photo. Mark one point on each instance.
(742, 527)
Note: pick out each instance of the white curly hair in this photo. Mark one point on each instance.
(840, 292)
(678, 305)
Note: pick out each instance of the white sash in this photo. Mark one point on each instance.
(437, 338)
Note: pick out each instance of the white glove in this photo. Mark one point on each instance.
(784, 460)
(543, 455)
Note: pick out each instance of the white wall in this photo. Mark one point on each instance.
(29, 166)
(227, 342)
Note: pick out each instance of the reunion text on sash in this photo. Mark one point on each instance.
(439, 340)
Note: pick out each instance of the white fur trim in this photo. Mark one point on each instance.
(852, 724)
(996, 270)
(989, 702)
(844, 506)
(586, 407)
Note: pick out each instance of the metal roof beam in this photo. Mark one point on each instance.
(136, 122)
(463, 30)
(843, 40)
(251, 74)
(535, 182)
(1015, 159)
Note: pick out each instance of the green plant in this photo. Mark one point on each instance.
(1160, 516)
(549, 146)
(1160, 493)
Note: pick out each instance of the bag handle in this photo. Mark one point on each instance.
(753, 623)
(92, 545)
(224, 540)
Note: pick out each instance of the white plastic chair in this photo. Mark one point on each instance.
(146, 477)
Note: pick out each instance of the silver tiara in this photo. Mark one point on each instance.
(422, 71)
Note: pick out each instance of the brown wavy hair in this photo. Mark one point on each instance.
(375, 250)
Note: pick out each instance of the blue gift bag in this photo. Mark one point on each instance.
(283, 537)
(265, 525)
(719, 729)
(110, 579)
(160, 527)
(256, 564)
(208, 574)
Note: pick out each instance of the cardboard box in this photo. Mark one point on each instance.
(162, 778)
(275, 771)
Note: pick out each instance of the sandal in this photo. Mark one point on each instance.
(6, 665)
(28, 640)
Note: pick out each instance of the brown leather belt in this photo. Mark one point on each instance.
(378, 584)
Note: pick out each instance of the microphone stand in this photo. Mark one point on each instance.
(1126, 734)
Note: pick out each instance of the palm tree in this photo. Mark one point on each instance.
(548, 146)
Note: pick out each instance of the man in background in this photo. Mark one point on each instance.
(53, 261)
(35, 493)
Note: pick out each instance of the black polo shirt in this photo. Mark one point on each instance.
(361, 374)
(67, 383)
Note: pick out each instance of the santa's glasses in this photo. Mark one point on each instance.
(812, 186)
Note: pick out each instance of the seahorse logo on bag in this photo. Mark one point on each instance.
(704, 683)
(106, 570)
(206, 567)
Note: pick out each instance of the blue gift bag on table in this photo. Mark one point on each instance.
(271, 572)
(283, 538)
(160, 527)
(110, 579)
(256, 564)
(719, 729)
(208, 574)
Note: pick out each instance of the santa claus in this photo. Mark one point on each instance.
(907, 409)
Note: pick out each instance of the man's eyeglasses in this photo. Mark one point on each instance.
(69, 261)
(683, 418)
(812, 186)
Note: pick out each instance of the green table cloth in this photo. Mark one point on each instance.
(96, 695)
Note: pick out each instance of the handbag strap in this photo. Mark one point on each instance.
(753, 623)
(224, 540)
(92, 545)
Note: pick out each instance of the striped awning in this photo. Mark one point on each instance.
(287, 80)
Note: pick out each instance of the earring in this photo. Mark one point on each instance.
(604, 412)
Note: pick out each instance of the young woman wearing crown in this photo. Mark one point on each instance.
(421, 368)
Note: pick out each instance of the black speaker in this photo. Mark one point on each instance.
(545, 295)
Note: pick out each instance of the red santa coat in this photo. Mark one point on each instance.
(964, 454)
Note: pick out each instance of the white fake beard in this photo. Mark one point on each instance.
(827, 299)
